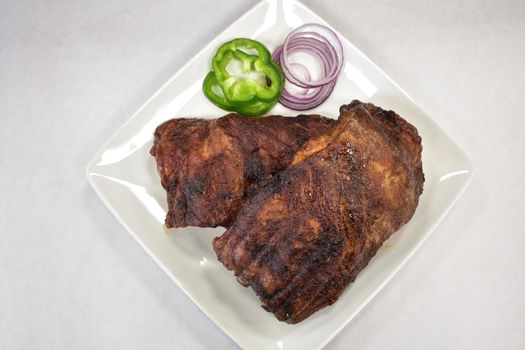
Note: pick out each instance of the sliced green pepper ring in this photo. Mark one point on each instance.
(252, 108)
(239, 89)
(220, 101)
(235, 45)
(247, 96)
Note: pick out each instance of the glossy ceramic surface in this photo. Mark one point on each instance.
(124, 176)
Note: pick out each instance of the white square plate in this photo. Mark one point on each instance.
(124, 176)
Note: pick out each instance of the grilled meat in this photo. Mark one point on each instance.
(208, 167)
(304, 236)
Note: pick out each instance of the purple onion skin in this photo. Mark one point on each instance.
(314, 93)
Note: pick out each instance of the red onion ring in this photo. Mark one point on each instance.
(329, 54)
(308, 98)
(328, 42)
(305, 72)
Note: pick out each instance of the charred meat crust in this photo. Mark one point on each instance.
(209, 167)
(302, 238)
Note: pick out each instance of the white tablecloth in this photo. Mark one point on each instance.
(71, 72)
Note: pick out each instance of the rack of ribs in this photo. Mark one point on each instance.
(209, 167)
(306, 233)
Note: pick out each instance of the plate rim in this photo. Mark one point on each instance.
(90, 174)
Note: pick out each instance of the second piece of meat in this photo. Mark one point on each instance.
(302, 238)
(209, 166)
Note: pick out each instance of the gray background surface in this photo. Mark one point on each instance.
(71, 72)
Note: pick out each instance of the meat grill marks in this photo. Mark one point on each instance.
(304, 236)
(209, 167)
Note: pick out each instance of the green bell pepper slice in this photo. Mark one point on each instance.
(237, 89)
(207, 86)
(254, 107)
(244, 95)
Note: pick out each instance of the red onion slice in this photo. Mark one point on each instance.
(306, 99)
(322, 37)
(321, 43)
(301, 69)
